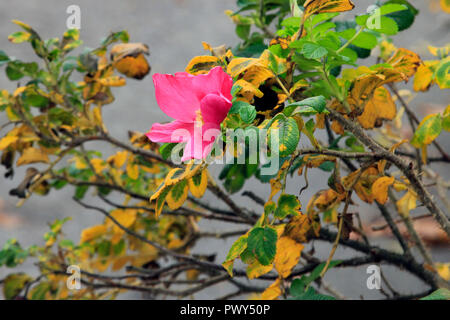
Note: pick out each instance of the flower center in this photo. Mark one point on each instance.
(198, 118)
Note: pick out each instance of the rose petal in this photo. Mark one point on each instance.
(214, 108)
(201, 140)
(175, 131)
(215, 81)
(176, 96)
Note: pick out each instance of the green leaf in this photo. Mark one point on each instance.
(391, 8)
(166, 150)
(19, 37)
(263, 243)
(3, 58)
(446, 119)
(442, 74)
(235, 178)
(404, 18)
(313, 105)
(439, 294)
(298, 285)
(363, 40)
(311, 294)
(313, 51)
(17, 69)
(286, 134)
(119, 247)
(12, 254)
(237, 105)
(428, 130)
(80, 191)
(104, 248)
(243, 31)
(39, 291)
(315, 274)
(310, 126)
(384, 25)
(14, 283)
(236, 250)
(36, 100)
(13, 73)
(247, 113)
(287, 205)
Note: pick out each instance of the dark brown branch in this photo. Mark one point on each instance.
(400, 163)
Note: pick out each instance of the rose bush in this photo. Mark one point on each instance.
(297, 75)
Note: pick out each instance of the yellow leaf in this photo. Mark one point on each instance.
(177, 195)
(5, 142)
(380, 188)
(380, 107)
(198, 184)
(101, 264)
(23, 25)
(120, 158)
(12, 116)
(439, 52)
(120, 262)
(299, 228)
(239, 65)
(97, 115)
(32, 155)
(423, 78)
(363, 186)
(302, 83)
(113, 81)
(287, 256)
(445, 5)
(202, 64)
(133, 171)
(129, 59)
(320, 6)
(192, 274)
(92, 232)
(206, 46)
(275, 187)
(406, 203)
(327, 199)
(316, 161)
(387, 49)
(273, 291)
(248, 90)
(19, 90)
(228, 265)
(98, 164)
(125, 217)
(255, 269)
(79, 163)
(443, 269)
(404, 64)
(382, 163)
(174, 176)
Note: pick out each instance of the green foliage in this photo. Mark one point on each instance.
(298, 81)
(439, 294)
(262, 243)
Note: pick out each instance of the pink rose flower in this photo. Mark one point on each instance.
(198, 104)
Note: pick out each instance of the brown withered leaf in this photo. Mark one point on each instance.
(362, 187)
(301, 229)
(380, 107)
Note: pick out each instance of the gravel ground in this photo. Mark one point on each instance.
(174, 30)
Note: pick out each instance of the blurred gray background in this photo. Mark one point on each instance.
(174, 30)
